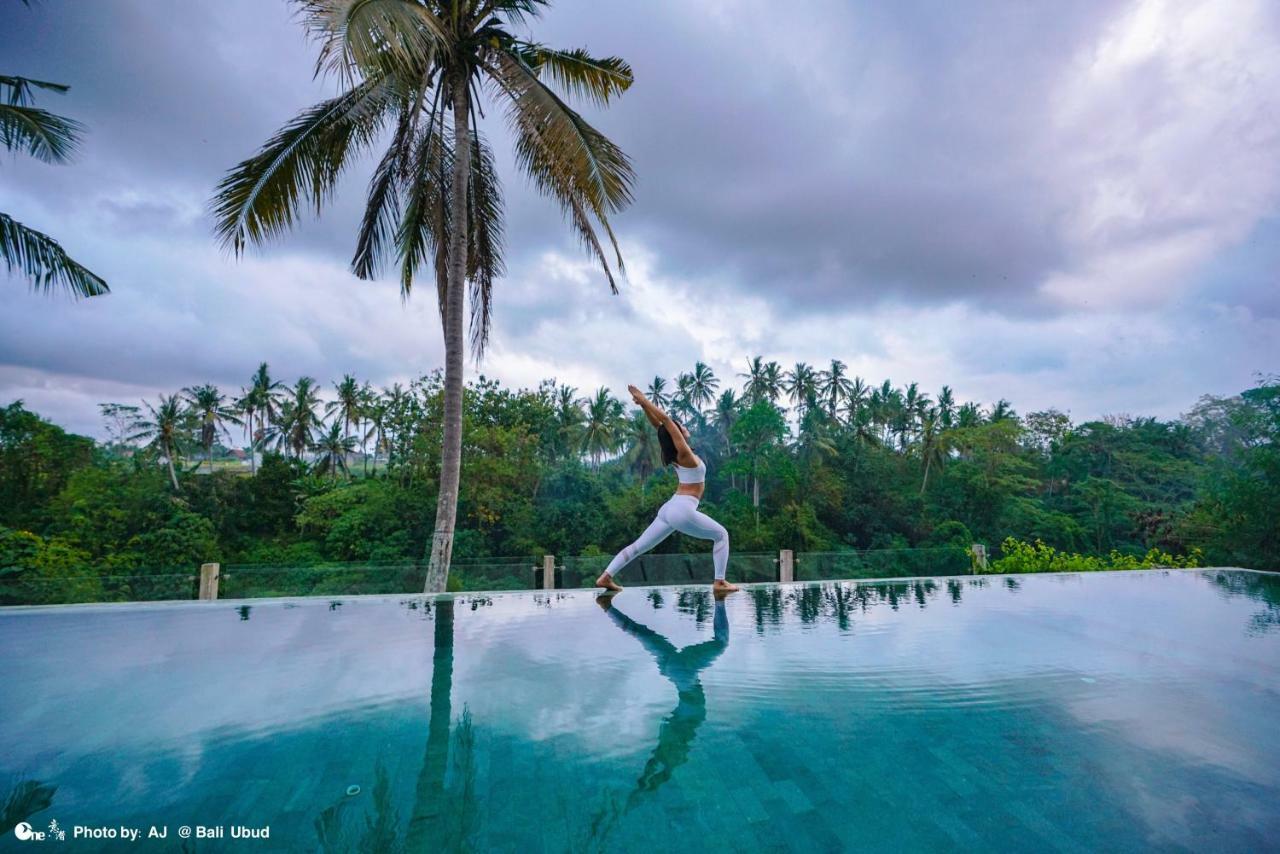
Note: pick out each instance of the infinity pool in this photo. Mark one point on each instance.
(1109, 711)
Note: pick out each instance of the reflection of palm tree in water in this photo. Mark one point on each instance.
(684, 668)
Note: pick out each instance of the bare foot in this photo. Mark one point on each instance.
(721, 587)
(605, 601)
(606, 581)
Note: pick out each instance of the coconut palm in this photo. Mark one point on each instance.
(946, 407)
(417, 68)
(264, 396)
(567, 421)
(212, 412)
(247, 405)
(349, 403)
(49, 138)
(855, 401)
(332, 450)
(1002, 411)
(299, 421)
(658, 393)
(643, 456)
(702, 386)
(933, 444)
(166, 429)
(753, 389)
(969, 415)
(801, 385)
(602, 426)
(834, 386)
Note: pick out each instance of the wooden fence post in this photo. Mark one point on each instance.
(786, 565)
(209, 581)
(979, 552)
(548, 572)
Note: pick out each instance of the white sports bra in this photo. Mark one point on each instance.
(697, 474)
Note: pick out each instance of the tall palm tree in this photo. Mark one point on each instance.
(602, 426)
(933, 447)
(702, 386)
(774, 381)
(568, 421)
(855, 401)
(658, 393)
(165, 428)
(49, 138)
(754, 388)
(247, 405)
(726, 413)
(946, 407)
(643, 455)
(299, 420)
(801, 384)
(417, 67)
(266, 394)
(347, 405)
(834, 386)
(375, 414)
(212, 411)
(332, 450)
(969, 415)
(1002, 411)
(682, 400)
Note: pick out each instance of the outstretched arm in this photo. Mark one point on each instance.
(659, 418)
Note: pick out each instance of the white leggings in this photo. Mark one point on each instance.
(680, 513)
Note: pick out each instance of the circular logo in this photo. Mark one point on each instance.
(23, 830)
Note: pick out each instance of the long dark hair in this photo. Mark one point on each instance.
(667, 444)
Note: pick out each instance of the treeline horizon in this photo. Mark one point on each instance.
(805, 458)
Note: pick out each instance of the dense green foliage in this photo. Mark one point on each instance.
(844, 467)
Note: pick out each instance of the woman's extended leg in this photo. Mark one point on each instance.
(695, 523)
(657, 531)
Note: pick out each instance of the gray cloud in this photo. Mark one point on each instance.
(839, 179)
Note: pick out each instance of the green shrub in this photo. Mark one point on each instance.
(1020, 556)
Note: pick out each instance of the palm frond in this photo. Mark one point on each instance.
(20, 88)
(567, 158)
(484, 233)
(44, 135)
(39, 258)
(424, 224)
(382, 208)
(261, 197)
(364, 38)
(578, 72)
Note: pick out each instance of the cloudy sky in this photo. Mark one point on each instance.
(1071, 205)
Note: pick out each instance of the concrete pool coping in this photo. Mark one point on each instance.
(465, 594)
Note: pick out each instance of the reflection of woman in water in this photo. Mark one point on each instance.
(684, 668)
(681, 512)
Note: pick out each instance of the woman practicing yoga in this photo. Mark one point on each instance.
(680, 513)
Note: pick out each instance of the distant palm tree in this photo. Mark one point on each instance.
(569, 420)
(1002, 411)
(376, 417)
(682, 404)
(247, 405)
(702, 386)
(347, 404)
(774, 381)
(856, 400)
(299, 421)
(266, 400)
(643, 455)
(969, 415)
(166, 431)
(834, 386)
(933, 445)
(754, 389)
(415, 68)
(726, 413)
(946, 407)
(658, 393)
(332, 450)
(51, 139)
(602, 428)
(212, 411)
(801, 384)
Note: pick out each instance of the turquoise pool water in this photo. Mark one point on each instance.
(1118, 711)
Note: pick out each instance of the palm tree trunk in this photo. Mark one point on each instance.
(925, 483)
(451, 451)
(173, 476)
